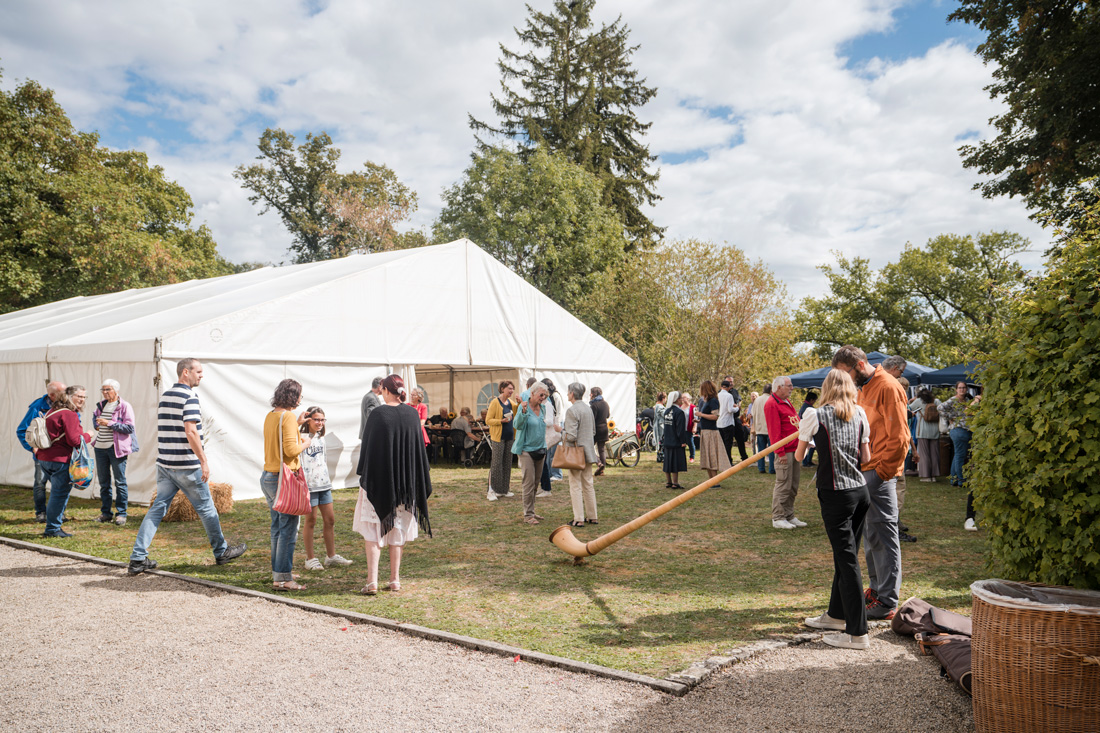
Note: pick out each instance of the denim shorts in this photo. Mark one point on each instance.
(317, 498)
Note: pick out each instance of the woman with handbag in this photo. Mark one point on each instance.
(63, 427)
(578, 454)
(530, 446)
(283, 445)
(394, 483)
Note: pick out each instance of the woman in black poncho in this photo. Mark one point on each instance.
(395, 484)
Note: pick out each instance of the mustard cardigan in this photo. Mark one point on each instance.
(495, 417)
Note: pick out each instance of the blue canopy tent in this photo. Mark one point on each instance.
(814, 378)
(953, 374)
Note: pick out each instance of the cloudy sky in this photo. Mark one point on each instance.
(787, 128)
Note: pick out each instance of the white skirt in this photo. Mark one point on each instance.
(367, 523)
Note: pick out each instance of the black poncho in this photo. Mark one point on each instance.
(393, 465)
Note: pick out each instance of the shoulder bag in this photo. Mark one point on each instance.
(292, 496)
(569, 456)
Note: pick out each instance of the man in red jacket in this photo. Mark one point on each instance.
(782, 421)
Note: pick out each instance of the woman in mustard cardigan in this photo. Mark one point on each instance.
(282, 444)
(501, 434)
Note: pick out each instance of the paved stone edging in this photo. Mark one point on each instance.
(700, 671)
(670, 685)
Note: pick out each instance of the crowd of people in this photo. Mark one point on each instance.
(863, 428)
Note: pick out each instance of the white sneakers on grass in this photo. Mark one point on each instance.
(543, 494)
(782, 524)
(314, 564)
(493, 496)
(847, 641)
(797, 522)
(825, 621)
(337, 560)
(970, 524)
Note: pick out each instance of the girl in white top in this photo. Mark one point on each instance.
(315, 465)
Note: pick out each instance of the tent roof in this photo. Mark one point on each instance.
(448, 304)
(967, 372)
(815, 377)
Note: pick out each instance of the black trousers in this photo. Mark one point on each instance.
(730, 435)
(843, 513)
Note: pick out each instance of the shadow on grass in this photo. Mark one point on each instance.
(705, 625)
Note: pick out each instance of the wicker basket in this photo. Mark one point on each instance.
(180, 510)
(1036, 658)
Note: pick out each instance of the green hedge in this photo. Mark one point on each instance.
(1035, 465)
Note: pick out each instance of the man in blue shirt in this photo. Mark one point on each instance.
(37, 408)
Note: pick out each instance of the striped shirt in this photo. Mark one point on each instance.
(838, 443)
(178, 405)
(105, 436)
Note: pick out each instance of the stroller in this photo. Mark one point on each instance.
(481, 454)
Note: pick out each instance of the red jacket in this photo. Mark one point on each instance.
(64, 429)
(777, 413)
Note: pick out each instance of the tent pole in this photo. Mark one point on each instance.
(451, 403)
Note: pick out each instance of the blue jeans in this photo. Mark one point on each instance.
(554, 472)
(960, 439)
(189, 481)
(39, 488)
(881, 541)
(60, 486)
(284, 531)
(761, 444)
(108, 464)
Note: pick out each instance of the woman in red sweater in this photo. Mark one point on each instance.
(63, 426)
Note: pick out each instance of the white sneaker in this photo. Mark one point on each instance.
(557, 478)
(542, 494)
(825, 621)
(782, 524)
(797, 522)
(510, 493)
(492, 495)
(337, 560)
(314, 564)
(845, 641)
(971, 525)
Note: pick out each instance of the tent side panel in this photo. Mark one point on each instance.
(23, 384)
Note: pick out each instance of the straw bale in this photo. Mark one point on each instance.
(180, 510)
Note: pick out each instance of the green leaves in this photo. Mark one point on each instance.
(328, 213)
(1040, 488)
(78, 219)
(936, 305)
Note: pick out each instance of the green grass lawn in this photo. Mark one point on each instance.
(702, 579)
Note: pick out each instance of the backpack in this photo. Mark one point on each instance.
(37, 435)
(931, 414)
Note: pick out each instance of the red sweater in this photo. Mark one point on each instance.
(777, 413)
(64, 429)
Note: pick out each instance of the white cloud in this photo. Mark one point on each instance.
(792, 151)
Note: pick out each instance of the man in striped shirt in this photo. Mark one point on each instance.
(181, 466)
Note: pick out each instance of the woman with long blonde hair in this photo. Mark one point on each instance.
(841, 433)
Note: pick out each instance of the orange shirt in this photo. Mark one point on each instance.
(884, 401)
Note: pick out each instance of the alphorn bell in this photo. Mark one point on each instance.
(563, 538)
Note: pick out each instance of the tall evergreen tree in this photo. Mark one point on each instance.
(575, 92)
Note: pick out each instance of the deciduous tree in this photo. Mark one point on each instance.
(328, 213)
(542, 217)
(1046, 57)
(79, 219)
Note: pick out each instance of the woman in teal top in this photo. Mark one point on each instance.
(530, 446)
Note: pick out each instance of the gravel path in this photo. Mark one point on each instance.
(87, 648)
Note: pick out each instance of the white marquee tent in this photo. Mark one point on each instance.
(447, 317)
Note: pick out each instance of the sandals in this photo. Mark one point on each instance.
(678, 487)
(592, 521)
(577, 524)
(530, 520)
(288, 585)
(393, 585)
(669, 485)
(370, 589)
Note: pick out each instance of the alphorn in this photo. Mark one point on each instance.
(563, 538)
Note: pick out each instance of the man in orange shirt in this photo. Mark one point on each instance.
(885, 403)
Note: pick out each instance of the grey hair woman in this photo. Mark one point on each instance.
(580, 430)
